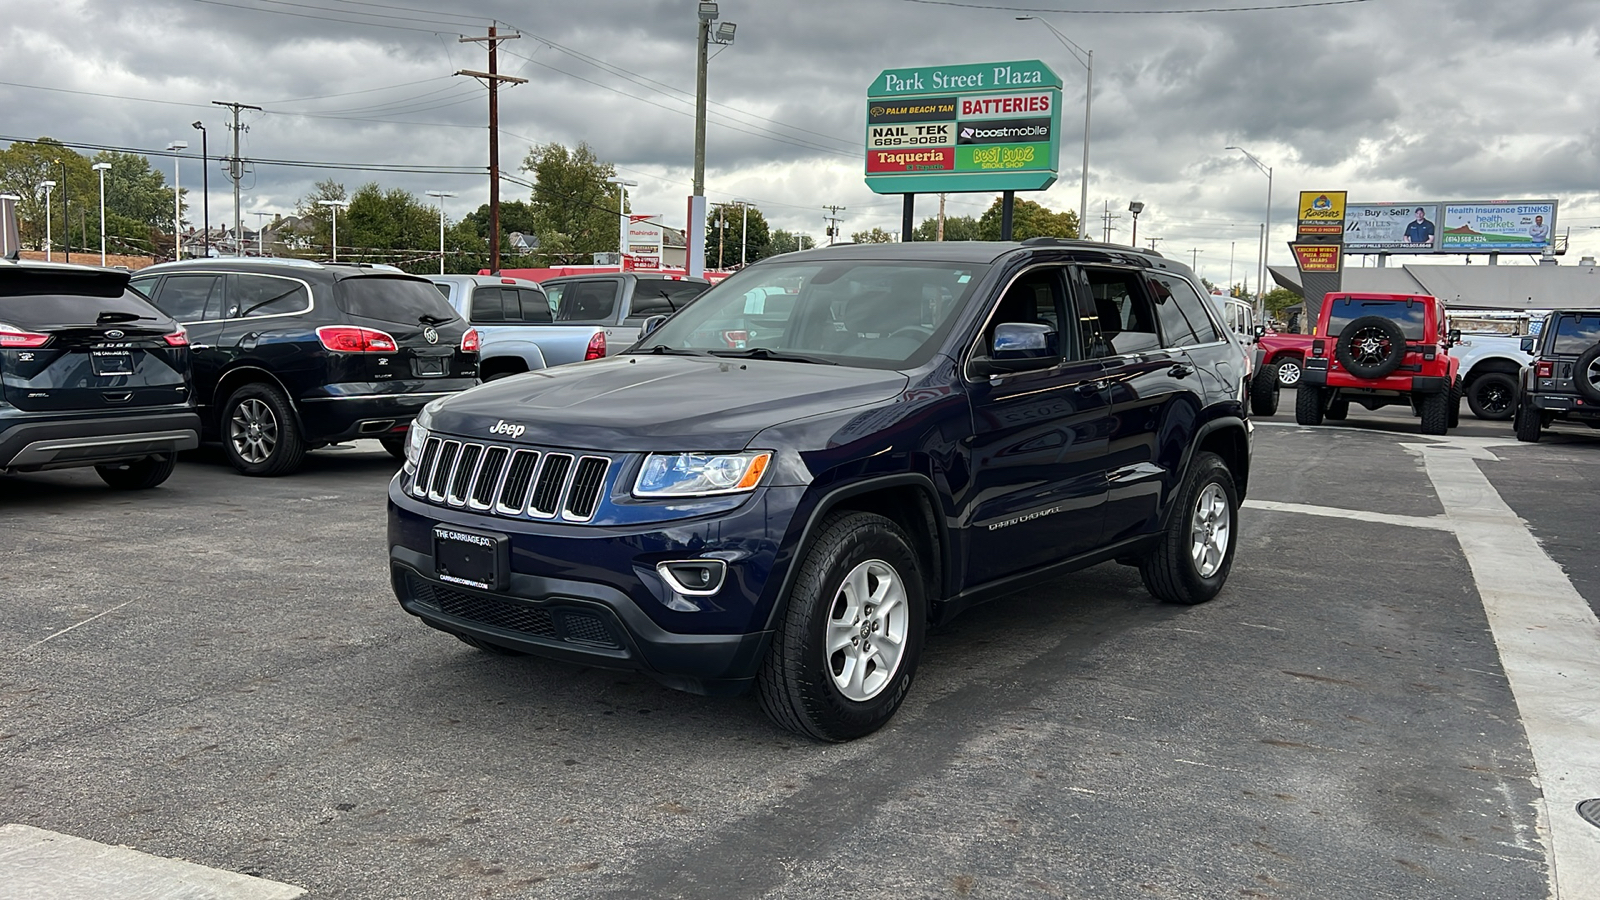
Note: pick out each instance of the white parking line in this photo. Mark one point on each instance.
(42, 865)
(1547, 636)
(1549, 641)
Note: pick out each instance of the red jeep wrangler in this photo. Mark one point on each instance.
(1378, 350)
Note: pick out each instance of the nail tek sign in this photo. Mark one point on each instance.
(984, 127)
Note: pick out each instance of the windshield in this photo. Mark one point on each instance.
(1409, 313)
(858, 313)
(1575, 334)
(393, 299)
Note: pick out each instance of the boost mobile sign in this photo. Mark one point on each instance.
(982, 127)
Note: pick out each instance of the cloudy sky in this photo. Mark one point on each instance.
(1388, 99)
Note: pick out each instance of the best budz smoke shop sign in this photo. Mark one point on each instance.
(984, 127)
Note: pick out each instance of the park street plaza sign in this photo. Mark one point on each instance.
(981, 127)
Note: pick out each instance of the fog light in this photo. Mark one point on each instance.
(693, 577)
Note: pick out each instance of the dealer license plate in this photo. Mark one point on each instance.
(478, 559)
(111, 362)
(431, 365)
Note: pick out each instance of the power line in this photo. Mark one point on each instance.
(284, 12)
(402, 168)
(1137, 12)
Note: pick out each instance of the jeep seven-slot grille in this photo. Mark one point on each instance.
(506, 482)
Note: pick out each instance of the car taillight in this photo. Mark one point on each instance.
(1318, 348)
(179, 338)
(469, 341)
(1544, 369)
(597, 346)
(13, 337)
(350, 339)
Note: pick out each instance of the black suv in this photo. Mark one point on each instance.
(90, 375)
(290, 355)
(908, 429)
(1563, 384)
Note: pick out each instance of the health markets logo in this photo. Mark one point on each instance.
(1004, 131)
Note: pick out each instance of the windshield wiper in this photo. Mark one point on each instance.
(767, 353)
(109, 318)
(431, 319)
(664, 350)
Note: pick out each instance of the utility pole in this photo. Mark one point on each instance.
(832, 218)
(1107, 218)
(236, 169)
(939, 232)
(1194, 257)
(493, 79)
(1153, 243)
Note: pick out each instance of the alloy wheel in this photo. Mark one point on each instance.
(867, 627)
(1494, 398)
(1591, 373)
(253, 431)
(1369, 346)
(1210, 528)
(1288, 373)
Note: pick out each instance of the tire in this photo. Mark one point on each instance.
(1371, 347)
(1526, 422)
(1436, 412)
(395, 445)
(1586, 374)
(1493, 396)
(1455, 404)
(1338, 410)
(139, 475)
(485, 646)
(1290, 368)
(1308, 405)
(1264, 390)
(275, 446)
(843, 694)
(1192, 561)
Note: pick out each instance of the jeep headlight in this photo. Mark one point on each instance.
(417, 434)
(700, 474)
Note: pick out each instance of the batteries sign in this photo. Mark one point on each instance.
(983, 127)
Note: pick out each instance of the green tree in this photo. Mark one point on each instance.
(956, 228)
(315, 228)
(789, 242)
(138, 205)
(875, 236)
(1028, 219)
(573, 206)
(724, 230)
(24, 165)
(1279, 299)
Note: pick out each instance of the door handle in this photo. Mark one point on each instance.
(1093, 387)
(1180, 371)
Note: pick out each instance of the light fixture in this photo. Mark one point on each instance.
(708, 12)
(724, 33)
(1136, 207)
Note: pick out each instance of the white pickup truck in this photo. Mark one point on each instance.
(1491, 355)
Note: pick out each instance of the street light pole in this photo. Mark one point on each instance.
(440, 195)
(1266, 233)
(333, 250)
(205, 185)
(66, 217)
(622, 217)
(1135, 207)
(101, 167)
(49, 243)
(177, 200)
(261, 232)
(1084, 58)
(706, 16)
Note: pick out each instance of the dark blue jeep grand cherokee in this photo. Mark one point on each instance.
(785, 483)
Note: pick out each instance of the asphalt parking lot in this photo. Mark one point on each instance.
(216, 671)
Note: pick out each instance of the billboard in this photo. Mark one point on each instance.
(1391, 228)
(980, 127)
(1321, 212)
(1316, 257)
(1517, 226)
(1450, 226)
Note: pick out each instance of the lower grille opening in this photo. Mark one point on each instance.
(571, 626)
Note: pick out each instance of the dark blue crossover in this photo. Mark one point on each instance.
(784, 484)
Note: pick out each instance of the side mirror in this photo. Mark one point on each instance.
(1527, 344)
(1258, 331)
(651, 324)
(1020, 347)
(1453, 335)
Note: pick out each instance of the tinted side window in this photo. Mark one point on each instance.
(251, 296)
(535, 307)
(587, 301)
(1031, 299)
(1117, 317)
(662, 296)
(1175, 330)
(1193, 307)
(190, 298)
(486, 305)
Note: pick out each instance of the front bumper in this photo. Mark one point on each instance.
(344, 412)
(590, 594)
(72, 440)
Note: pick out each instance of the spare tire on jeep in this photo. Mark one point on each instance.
(1586, 374)
(1371, 347)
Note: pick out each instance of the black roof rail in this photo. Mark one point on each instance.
(1043, 241)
